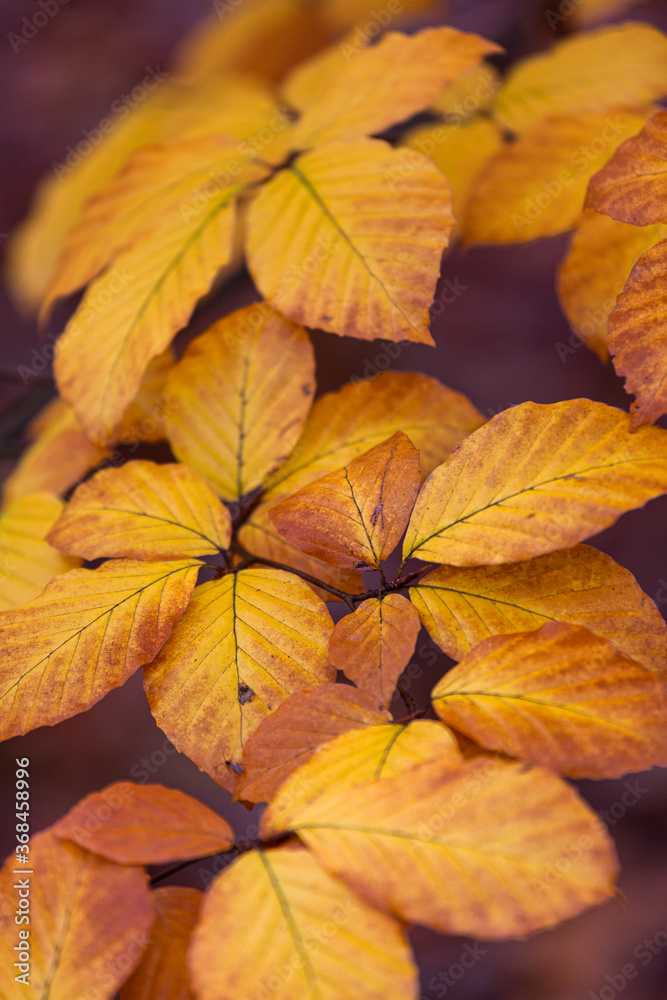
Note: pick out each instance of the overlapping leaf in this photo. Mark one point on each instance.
(633, 186)
(374, 645)
(27, 561)
(246, 642)
(344, 240)
(638, 335)
(143, 511)
(581, 586)
(162, 973)
(535, 479)
(239, 398)
(601, 256)
(145, 825)
(289, 736)
(83, 636)
(89, 922)
(311, 936)
(355, 517)
(560, 697)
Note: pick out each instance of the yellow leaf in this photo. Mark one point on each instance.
(581, 586)
(596, 10)
(162, 973)
(246, 643)
(374, 645)
(638, 335)
(466, 848)
(306, 83)
(347, 240)
(180, 179)
(369, 20)
(144, 419)
(259, 537)
(27, 561)
(143, 511)
(359, 759)
(131, 313)
(459, 151)
(536, 186)
(312, 938)
(560, 697)
(355, 517)
(632, 187)
(388, 83)
(84, 636)
(36, 245)
(239, 398)
(535, 479)
(347, 423)
(598, 264)
(145, 825)
(89, 921)
(288, 737)
(60, 455)
(620, 66)
(471, 93)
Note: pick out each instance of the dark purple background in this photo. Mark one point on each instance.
(496, 342)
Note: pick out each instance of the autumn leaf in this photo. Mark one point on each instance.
(27, 561)
(638, 335)
(373, 646)
(581, 586)
(619, 66)
(246, 642)
(598, 264)
(358, 759)
(388, 83)
(536, 478)
(311, 935)
(536, 186)
(560, 697)
(343, 240)
(288, 737)
(239, 398)
(131, 312)
(89, 921)
(355, 517)
(162, 972)
(632, 187)
(465, 848)
(144, 825)
(84, 636)
(469, 94)
(143, 511)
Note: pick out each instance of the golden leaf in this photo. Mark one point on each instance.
(535, 479)
(27, 561)
(84, 636)
(246, 643)
(560, 697)
(143, 511)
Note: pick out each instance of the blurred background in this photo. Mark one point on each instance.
(498, 340)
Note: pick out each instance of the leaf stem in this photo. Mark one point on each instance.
(341, 594)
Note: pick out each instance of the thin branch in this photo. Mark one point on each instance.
(341, 594)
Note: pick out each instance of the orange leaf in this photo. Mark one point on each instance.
(536, 478)
(638, 335)
(145, 825)
(143, 511)
(312, 938)
(355, 517)
(89, 922)
(466, 848)
(373, 645)
(288, 737)
(582, 586)
(239, 398)
(84, 636)
(388, 83)
(560, 697)
(162, 973)
(632, 187)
